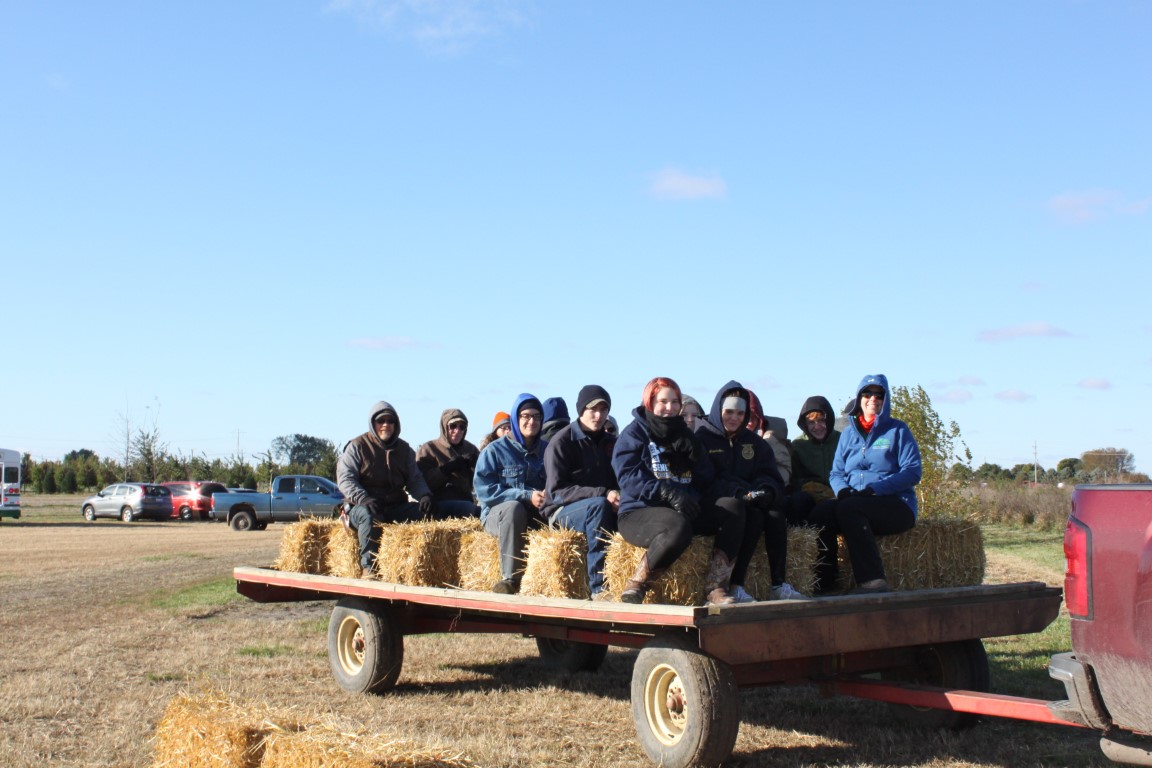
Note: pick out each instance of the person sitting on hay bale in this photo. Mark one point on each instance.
(448, 463)
(376, 473)
(583, 493)
(812, 456)
(509, 484)
(663, 473)
(747, 482)
(874, 475)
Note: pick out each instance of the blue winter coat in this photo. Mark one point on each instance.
(886, 459)
(635, 460)
(506, 470)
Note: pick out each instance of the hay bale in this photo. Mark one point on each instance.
(319, 746)
(799, 571)
(479, 560)
(421, 554)
(209, 731)
(557, 564)
(341, 552)
(938, 552)
(302, 546)
(682, 584)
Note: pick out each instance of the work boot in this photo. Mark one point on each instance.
(716, 582)
(640, 582)
(367, 573)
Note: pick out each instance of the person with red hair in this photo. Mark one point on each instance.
(664, 473)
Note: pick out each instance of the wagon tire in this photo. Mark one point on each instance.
(242, 521)
(127, 515)
(960, 664)
(89, 513)
(365, 646)
(571, 656)
(684, 704)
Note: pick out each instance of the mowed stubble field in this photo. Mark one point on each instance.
(95, 646)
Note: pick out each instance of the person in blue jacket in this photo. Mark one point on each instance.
(664, 473)
(874, 476)
(509, 484)
(747, 481)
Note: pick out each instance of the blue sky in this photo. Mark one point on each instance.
(239, 220)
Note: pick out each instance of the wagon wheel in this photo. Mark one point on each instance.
(961, 664)
(684, 704)
(365, 646)
(571, 656)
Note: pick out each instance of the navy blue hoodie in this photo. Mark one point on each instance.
(635, 459)
(745, 462)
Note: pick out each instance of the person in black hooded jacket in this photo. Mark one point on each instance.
(746, 478)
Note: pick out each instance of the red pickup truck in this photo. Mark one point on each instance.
(1108, 594)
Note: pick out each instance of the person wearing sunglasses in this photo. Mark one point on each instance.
(509, 483)
(874, 476)
(376, 473)
(448, 463)
(812, 456)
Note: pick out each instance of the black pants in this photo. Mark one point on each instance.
(773, 526)
(798, 507)
(666, 533)
(859, 519)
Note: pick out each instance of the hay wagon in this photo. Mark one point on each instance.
(920, 649)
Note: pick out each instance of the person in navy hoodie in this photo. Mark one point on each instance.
(748, 482)
(664, 472)
(874, 476)
(509, 484)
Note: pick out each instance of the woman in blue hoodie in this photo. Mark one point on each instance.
(874, 477)
(664, 472)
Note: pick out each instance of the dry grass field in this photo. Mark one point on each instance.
(102, 624)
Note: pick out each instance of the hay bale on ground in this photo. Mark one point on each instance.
(800, 570)
(321, 746)
(938, 552)
(302, 546)
(422, 554)
(209, 731)
(557, 564)
(479, 560)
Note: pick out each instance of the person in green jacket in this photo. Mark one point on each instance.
(812, 456)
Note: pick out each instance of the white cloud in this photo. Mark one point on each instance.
(1095, 205)
(1094, 383)
(1013, 396)
(1021, 331)
(955, 396)
(674, 184)
(384, 342)
(446, 26)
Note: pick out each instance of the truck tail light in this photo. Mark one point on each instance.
(1078, 569)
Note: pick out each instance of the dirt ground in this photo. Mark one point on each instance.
(93, 652)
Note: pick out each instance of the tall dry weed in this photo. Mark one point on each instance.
(1041, 507)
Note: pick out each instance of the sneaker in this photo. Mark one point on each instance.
(504, 587)
(740, 595)
(871, 587)
(719, 596)
(785, 591)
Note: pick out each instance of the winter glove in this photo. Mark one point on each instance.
(846, 492)
(373, 507)
(868, 492)
(680, 500)
(426, 506)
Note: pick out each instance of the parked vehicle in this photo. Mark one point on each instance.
(129, 501)
(9, 483)
(291, 497)
(192, 499)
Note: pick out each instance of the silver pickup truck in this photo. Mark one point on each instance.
(291, 497)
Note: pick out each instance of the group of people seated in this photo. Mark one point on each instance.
(674, 472)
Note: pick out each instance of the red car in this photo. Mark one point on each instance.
(191, 499)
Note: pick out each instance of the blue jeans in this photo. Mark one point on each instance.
(453, 508)
(595, 518)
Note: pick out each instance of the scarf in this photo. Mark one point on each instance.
(866, 425)
(672, 433)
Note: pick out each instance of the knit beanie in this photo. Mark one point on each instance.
(590, 394)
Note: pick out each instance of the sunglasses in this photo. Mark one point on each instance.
(458, 425)
(876, 393)
(385, 420)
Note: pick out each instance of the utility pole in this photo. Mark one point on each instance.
(1035, 466)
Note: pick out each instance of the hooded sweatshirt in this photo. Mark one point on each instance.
(812, 460)
(743, 462)
(507, 469)
(555, 414)
(885, 459)
(369, 468)
(454, 485)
